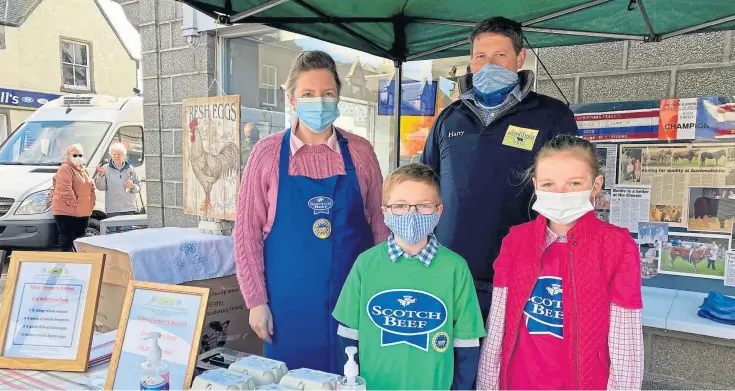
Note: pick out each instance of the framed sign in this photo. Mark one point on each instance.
(48, 310)
(158, 337)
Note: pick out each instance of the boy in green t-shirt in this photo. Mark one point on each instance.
(409, 301)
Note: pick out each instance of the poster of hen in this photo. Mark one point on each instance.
(211, 133)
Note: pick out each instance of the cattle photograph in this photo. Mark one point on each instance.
(685, 158)
(666, 214)
(711, 209)
(713, 157)
(694, 255)
(657, 157)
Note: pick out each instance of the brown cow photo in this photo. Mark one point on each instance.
(666, 214)
(685, 158)
(694, 255)
(711, 209)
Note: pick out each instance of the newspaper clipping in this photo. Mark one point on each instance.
(629, 206)
(730, 269)
(607, 158)
(671, 169)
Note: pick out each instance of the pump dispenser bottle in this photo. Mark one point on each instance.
(154, 372)
(351, 380)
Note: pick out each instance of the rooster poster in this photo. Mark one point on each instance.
(211, 156)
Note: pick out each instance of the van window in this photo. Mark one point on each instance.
(45, 142)
(132, 138)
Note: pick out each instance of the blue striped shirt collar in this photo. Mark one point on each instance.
(488, 114)
(425, 256)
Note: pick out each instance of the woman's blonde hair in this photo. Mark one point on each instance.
(77, 147)
(309, 61)
(567, 143)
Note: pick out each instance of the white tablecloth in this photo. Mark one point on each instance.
(171, 255)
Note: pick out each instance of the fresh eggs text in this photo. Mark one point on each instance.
(226, 111)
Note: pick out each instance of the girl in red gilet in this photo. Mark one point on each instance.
(566, 306)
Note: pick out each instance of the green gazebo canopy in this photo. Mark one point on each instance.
(406, 30)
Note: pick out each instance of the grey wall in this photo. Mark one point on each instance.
(683, 361)
(682, 67)
(172, 71)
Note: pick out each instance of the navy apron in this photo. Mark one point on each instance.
(319, 230)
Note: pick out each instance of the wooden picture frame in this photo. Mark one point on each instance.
(132, 361)
(53, 316)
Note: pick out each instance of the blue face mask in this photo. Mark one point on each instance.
(411, 227)
(492, 84)
(317, 113)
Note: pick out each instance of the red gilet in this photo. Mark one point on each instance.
(596, 251)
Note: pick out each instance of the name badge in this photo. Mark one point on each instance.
(521, 138)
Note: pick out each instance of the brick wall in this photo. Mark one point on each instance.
(681, 67)
(172, 71)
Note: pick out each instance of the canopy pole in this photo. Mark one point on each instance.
(344, 28)
(397, 101)
(699, 27)
(256, 10)
(565, 12)
(586, 34)
(652, 37)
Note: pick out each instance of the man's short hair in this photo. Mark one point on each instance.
(415, 172)
(502, 26)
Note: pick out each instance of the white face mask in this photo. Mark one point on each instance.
(563, 208)
(77, 160)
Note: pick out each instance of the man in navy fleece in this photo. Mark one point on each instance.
(481, 144)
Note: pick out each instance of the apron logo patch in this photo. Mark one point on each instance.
(521, 138)
(407, 316)
(440, 342)
(322, 228)
(543, 310)
(321, 204)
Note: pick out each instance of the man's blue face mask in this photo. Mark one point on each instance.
(492, 84)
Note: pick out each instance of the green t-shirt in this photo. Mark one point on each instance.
(407, 316)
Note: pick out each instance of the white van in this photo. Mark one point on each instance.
(30, 157)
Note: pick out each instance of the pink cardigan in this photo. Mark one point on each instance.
(256, 208)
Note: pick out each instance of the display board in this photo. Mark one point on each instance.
(669, 163)
(158, 337)
(48, 309)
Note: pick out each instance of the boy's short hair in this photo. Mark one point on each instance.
(416, 172)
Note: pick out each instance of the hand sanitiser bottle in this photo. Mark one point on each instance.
(154, 372)
(351, 380)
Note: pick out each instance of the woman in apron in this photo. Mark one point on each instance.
(309, 204)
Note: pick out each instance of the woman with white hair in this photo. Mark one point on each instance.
(119, 182)
(73, 198)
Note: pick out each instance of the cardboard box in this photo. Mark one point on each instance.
(225, 324)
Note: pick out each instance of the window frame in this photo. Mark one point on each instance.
(265, 84)
(90, 66)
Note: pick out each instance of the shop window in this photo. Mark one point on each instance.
(76, 69)
(132, 138)
(268, 85)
